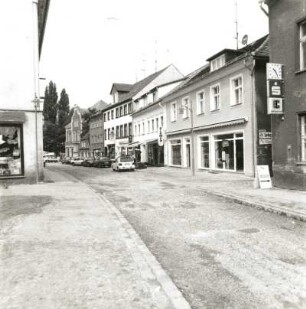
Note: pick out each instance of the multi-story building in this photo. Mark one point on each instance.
(73, 134)
(117, 118)
(220, 109)
(149, 124)
(96, 138)
(22, 25)
(84, 146)
(287, 23)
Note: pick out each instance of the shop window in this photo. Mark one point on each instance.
(229, 154)
(303, 137)
(176, 157)
(302, 27)
(11, 150)
(204, 148)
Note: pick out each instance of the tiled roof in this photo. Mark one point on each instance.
(140, 85)
(99, 105)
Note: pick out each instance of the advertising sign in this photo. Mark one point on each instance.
(264, 178)
(265, 138)
(160, 137)
(275, 106)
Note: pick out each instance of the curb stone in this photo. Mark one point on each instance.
(173, 293)
(259, 205)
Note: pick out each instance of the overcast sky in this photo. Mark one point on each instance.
(89, 44)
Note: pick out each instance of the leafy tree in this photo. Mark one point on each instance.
(86, 117)
(63, 109)
(50, 105)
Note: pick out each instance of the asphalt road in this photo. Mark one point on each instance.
(218, 253)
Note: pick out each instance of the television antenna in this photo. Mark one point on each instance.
(236, 24)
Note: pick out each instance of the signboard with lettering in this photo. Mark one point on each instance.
(265, 138)
(275, 88)
(160, 137)
(264, 178)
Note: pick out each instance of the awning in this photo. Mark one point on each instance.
(223, 124)
(12, 117)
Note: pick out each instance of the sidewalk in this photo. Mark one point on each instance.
(65, 246)
(240, 188)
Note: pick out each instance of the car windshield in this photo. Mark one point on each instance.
(126, 159)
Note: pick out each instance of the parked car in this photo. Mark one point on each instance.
(123, 163)
(77, 161)
(65, 160)
(102, 162)
(89, 162)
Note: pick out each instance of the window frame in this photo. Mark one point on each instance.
(186, 106)
(200, 111)
(173, 111)
(233, 90)
(213, 96)
(302, 46)
(302, 128)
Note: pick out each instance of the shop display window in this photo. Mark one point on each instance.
(11, 150)
(229, 152)
(204, 142)
(176, 152)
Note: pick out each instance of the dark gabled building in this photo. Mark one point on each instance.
(287, 23)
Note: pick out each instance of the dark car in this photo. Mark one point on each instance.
(102, 162)
(89, 162)
(65, 160)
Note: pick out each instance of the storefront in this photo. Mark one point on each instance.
(155, 154)
(11, 150)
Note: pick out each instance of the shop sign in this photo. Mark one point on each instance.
(160, 137)
(275, 88)
(264, 178)
(275, 106)
(265, 138)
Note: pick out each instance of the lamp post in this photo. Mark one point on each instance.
(36, 102)
(191, 134)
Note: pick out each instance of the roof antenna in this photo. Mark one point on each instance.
(155, 55)
(236, 22)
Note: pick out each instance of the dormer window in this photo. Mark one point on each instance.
(217, 63)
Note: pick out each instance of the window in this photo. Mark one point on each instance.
(143, 128)
(121, 131)
(215, 97)
(105, 137)
(108, 133)
(200, 102)
(186, 107)
(135, 129)
(217, 63)
(130, 128)
(11, 148)
(176, 158)
(117, 112)
(154, 96)
(236, 90)
(125, 109)
(112, 114)
(121, 111)
(303, 46)
(152, 125)
(173, 115)
(156, 124)
(125, 130)
(139, 132)
(117, 131)
(148, 126)
(303, 137)
(108, 115)
(204, 149)
(129, 108)
(229, 154)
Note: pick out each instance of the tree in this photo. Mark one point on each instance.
(86, 117)
(63, 109)
(50, 104)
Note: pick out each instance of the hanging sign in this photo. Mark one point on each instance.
(160, 137)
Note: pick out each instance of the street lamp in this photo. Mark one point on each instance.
(181, 111)
(36, 102)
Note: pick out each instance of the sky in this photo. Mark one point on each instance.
(91, 44)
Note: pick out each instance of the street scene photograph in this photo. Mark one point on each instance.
(153, 154)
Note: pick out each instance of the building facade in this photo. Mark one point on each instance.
(85, 147)
(21, 135)
(214, 117)
(149, 125)
(73, 134)
(96, 138)
(117, 118)
(287, 23)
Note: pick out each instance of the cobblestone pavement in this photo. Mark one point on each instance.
(219, 253)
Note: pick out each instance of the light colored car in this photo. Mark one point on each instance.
(77, 161)
(125, 163)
